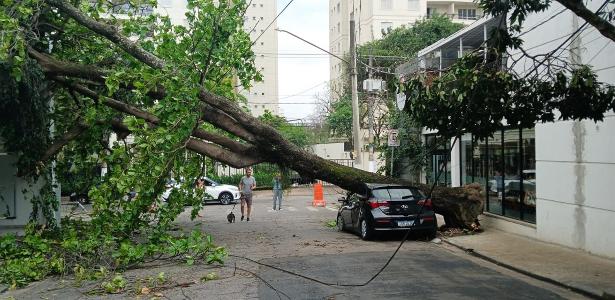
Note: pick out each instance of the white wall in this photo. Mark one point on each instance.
(330, 151)
(575, 170)
(575, 161)
(11, 188)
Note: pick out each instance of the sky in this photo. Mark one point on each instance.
(301, 76)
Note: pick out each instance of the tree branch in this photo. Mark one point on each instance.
(53, 67)
(56, 146)
(109, 32)
(218, 153)
(154, 120)
(235, 160)
(606, 29)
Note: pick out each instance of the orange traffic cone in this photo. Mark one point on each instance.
(319, 199)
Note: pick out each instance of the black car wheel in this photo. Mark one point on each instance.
(340, 223)
(225, 198)
(367, 232)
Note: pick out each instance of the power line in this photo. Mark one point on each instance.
(306, 90)
(543, 22)
(600, 51)
(274, 19)
(566, 41)
(602, 69)
(322, 49)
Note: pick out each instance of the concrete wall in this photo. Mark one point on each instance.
(11, 188)
(575, 170)
(575, 161)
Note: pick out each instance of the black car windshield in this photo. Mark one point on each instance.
(211, 181)
(398, 193)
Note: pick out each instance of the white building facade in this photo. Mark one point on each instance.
(575, 161)
(552, 182)
(373, 18)
(259, 15)
(263, 95)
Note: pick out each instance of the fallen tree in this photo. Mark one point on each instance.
(173, 94)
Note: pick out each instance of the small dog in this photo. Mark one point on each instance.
(231, 217)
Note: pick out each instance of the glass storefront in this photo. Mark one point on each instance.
(504, 165)
(439, 160)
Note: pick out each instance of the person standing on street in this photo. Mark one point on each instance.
(246, 186)
(277, 191)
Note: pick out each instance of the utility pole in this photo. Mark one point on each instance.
(355, 97)
(370, 112)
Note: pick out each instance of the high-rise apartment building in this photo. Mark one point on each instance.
(375, 17)
(258, 16)
(263, 95)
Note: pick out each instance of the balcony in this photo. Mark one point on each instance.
(445, 52)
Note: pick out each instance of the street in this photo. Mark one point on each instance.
(297, 240)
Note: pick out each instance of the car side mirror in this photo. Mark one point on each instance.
(341, 199)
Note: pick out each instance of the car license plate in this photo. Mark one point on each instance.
(405, 223)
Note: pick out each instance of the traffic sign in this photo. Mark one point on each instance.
(393, 138)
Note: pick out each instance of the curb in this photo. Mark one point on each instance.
(575, 289)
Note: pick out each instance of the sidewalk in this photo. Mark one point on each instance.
(582, 272)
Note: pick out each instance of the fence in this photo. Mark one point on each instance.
(292, 177)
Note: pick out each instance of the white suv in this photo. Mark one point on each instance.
(214, 191)
(224, 193)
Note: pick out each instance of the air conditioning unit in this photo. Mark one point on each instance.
(373, 85)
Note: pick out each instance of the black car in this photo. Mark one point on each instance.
(387, 207)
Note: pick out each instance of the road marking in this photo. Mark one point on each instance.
(331, 208)
(311, 208)
(290, 208)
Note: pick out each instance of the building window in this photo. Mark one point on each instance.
(261, 5)
(254, 18)
(263, 94)
(431, 12)
(338, 27)
(262, 43)
(505, 167)
(386, 4)
(414, 5)
(385, 27)
(261, 18)
(466, 14)
(254, 5)
(338, 8)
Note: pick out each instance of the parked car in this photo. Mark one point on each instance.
(223, 193)
(386, 207)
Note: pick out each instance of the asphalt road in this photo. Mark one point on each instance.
(297, 240)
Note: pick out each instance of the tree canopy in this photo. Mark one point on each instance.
(477, 95)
